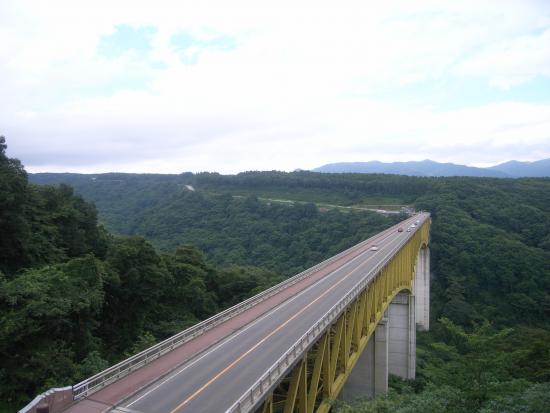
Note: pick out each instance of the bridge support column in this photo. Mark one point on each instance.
(422, 289)
(402, 336)
(369, 377)
(381, 348)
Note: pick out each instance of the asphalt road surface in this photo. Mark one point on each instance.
(213, 380)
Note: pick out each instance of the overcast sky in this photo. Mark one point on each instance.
(229, 86)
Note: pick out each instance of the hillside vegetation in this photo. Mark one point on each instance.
(75, 299)
(490, 237)
(489, 348)
(229, 229)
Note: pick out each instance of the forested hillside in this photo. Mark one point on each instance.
(229, 229)
(490, 237)
(75, 299)
(490, 264)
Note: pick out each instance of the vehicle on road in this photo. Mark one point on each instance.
(409, 229)
(374, 248)
(399, 229)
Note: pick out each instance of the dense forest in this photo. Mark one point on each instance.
(490, 237)
(489, 348)
(228, 229)
(75, 299)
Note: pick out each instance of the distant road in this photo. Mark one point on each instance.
(396, 209)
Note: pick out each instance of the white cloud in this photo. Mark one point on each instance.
(295, 92)
(511, 63)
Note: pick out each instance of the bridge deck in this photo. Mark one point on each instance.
(215, 369)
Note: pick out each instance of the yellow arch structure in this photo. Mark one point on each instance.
(320, 375)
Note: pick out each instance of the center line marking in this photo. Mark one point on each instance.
(259, 343)
(376, 239)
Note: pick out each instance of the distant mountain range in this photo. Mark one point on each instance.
(511, 169)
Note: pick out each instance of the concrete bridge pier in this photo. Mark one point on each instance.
(402, 336)
(421, 289)
(392, 348)
(369, 377)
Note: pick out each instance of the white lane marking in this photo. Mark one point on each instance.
(281, 326)
(242, 330)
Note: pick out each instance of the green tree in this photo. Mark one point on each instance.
(47, 323)
(13, 224)
(135, 285)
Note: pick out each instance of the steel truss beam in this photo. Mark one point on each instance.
(320, 375)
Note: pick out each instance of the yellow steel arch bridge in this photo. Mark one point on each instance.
(323, 370)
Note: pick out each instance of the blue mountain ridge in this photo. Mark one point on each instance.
(511, 169)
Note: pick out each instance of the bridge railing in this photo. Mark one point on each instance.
(258, 391)
(125, 367)
(56, 399)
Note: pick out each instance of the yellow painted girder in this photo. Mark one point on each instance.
(339, 348)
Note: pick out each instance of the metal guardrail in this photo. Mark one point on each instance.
(56, 398)
(125, 367)
(279, 369)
